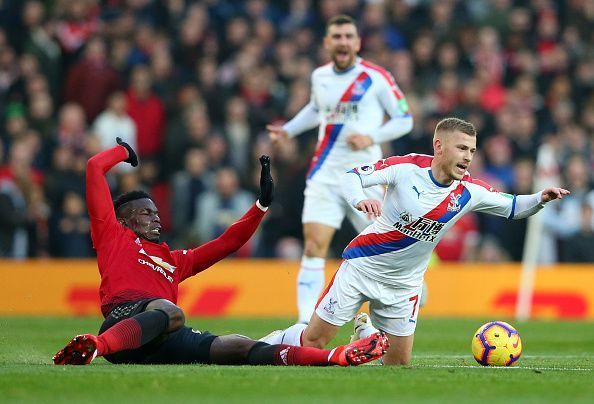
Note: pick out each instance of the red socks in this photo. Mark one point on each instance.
(132, 333)
(124, 335)
(301, 356)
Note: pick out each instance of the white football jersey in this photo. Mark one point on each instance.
(353, 101)
(416, 213)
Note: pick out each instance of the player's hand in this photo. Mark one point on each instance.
(358, 141)
(550, 194)
(266, 182)
(132, 157)
(372, 207)
(276, 133)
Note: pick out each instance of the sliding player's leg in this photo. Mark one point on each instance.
(128, 327)
(236, 349)
(187, 346)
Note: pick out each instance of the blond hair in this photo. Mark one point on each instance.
(455, 124)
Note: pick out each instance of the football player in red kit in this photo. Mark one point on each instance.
(139, 286)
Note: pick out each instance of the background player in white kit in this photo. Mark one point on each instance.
(349, 100)
(386, 262)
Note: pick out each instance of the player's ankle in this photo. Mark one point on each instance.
(101, 346)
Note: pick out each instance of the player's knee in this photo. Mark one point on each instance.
(319, 342)
(314, 248)
(177, 318)
(396, 360)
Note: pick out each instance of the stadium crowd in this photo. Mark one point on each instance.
(192, 84)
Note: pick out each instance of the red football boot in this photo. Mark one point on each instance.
(361, 351)
(81, 350)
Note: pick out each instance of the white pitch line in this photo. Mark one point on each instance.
(556, 369)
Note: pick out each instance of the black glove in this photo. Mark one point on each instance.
(132, 157)
(266, 183)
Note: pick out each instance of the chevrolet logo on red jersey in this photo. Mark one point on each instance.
(159, 261)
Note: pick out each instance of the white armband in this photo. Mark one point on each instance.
(260, 206)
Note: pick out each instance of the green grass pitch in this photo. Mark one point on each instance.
(557, 365)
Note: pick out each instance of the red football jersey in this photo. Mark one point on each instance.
(132, 268)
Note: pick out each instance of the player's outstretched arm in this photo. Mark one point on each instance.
(99, 203)
(528, 205)
(306, 119)
(550, 194)
(276, 133)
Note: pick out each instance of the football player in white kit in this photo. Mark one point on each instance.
(349, 100)
(386, 262)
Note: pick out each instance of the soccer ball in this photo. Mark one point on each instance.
(496, 344)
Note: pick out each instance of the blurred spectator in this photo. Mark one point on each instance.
(115, 122)
(237, 131)
(499, 161)
(41, 117)
(72, 129)
(77, 22)
(219, 207)
(212, 92)
(13, 220)
(578, 247)
(70, 229)
(23, 211)
(40, 43)
(565, 219)
(64, 176)
(514, 231)
(186, 186)
(91, 81)
(147, 111)
(190, 130)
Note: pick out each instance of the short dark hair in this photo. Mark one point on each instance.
(340, 19)
(128, 197)
(453, 124)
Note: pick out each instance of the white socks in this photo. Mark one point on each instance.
(290, 336)
(310, 283)
(365, 332)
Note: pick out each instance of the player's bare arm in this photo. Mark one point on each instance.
(550, 194)
(358, 141)
(276, 133)
(372, 207)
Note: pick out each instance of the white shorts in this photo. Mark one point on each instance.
(392, 309)
(325, 204)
